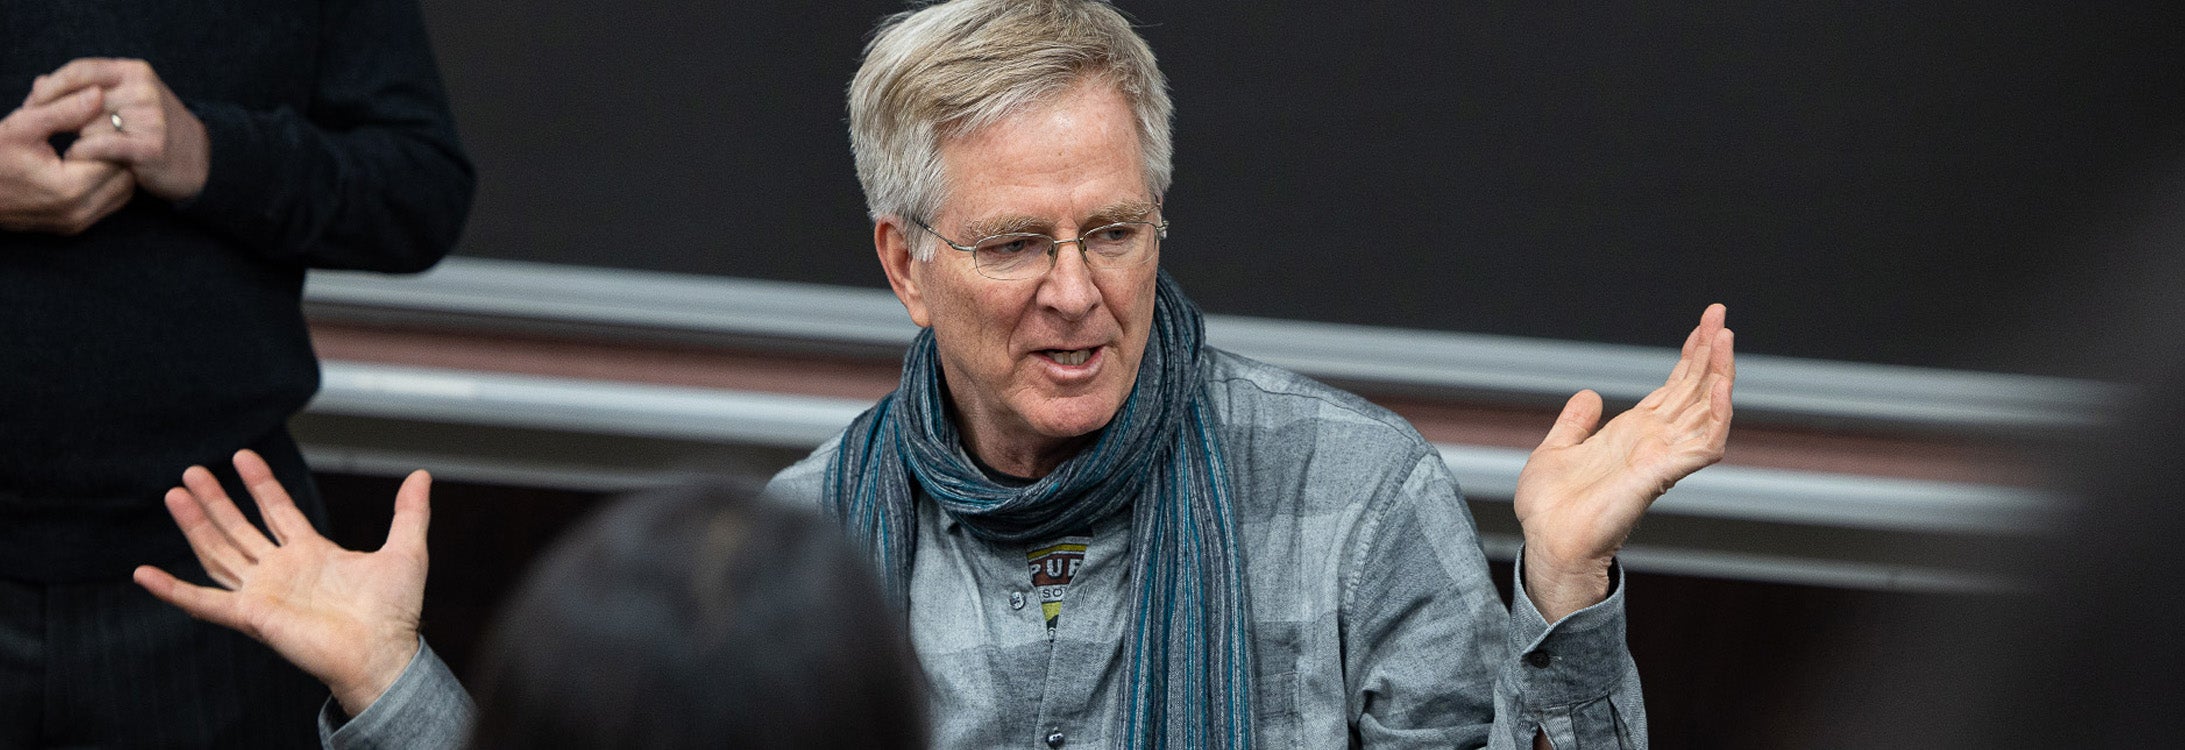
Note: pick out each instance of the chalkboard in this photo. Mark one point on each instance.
(1909, 183)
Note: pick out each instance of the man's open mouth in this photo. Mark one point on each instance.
(1070, 357)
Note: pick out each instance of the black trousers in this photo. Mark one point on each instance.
(93, 661)
(105, 665)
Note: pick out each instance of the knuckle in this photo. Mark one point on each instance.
(47, 200)
(81, 219)
(73, 223)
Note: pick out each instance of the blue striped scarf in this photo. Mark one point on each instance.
(1189, 629)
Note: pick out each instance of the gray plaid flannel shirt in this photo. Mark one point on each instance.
(1375, 622)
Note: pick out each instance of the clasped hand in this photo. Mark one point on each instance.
(1583, 489)
(131, 133)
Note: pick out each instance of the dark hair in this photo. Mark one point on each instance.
(700, 617)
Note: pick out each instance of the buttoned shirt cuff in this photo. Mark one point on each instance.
(426, 703)
(1580, 658)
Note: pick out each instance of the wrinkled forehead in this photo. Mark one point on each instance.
(1067, 160)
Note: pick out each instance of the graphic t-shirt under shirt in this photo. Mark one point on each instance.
(1053, 564)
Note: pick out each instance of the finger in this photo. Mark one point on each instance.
(1695, 368)
(83, 176)
(1581, 416)
(84, 193)
(67, 114)
(1730, 356)
(1685, 383)
(1696, 343)
(1724, 361)
(1719, 363)
(274, 503)
(1719, 406)
(1691, 341)
(109, 196)
(208, 604)
(214, 551)
(102, 143)
(413, 513)
(213, 499)
(1725, 381)
(1677, 371)
(80, 73)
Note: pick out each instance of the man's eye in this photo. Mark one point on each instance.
(1118, 234)
(1007, 246)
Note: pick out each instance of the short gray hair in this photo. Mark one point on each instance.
(947, 70)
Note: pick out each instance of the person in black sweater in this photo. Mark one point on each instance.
(170, 173)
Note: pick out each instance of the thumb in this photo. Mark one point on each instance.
(413, 513)
(62, 115)
(1580, 417)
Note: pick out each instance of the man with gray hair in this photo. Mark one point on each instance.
(1224, 554)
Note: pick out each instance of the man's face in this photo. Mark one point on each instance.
(1033, 364)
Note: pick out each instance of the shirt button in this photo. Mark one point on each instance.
(1055, 738)
(1539, 659)
(1016, 600)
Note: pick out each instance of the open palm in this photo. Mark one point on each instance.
(348, 618)
(1583, 490)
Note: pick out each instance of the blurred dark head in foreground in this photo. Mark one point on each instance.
(2090, 654)
(699, 617)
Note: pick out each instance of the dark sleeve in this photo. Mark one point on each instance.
(371, 176)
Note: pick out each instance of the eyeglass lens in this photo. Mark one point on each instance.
(1009, 256)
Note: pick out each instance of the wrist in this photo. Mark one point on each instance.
(380, 671)
(1558, 587)
(188, 162)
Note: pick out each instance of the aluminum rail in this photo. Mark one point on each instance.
(1769, 387)
(803, 422)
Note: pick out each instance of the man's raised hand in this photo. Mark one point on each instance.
(1584, 489)
(348, 618)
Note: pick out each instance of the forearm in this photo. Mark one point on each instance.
(368, 174)
(376, 197)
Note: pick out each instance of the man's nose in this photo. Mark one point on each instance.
(1068, 286)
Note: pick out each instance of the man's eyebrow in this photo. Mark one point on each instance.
(1022, 223)
(1011, 224)
(1124, 211)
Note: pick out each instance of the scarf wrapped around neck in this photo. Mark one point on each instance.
(1189, 629)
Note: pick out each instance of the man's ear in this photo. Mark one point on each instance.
(892, 242)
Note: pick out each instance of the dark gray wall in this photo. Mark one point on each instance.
(1920, 183)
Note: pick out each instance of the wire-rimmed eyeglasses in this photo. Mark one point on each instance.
(1023, 255)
